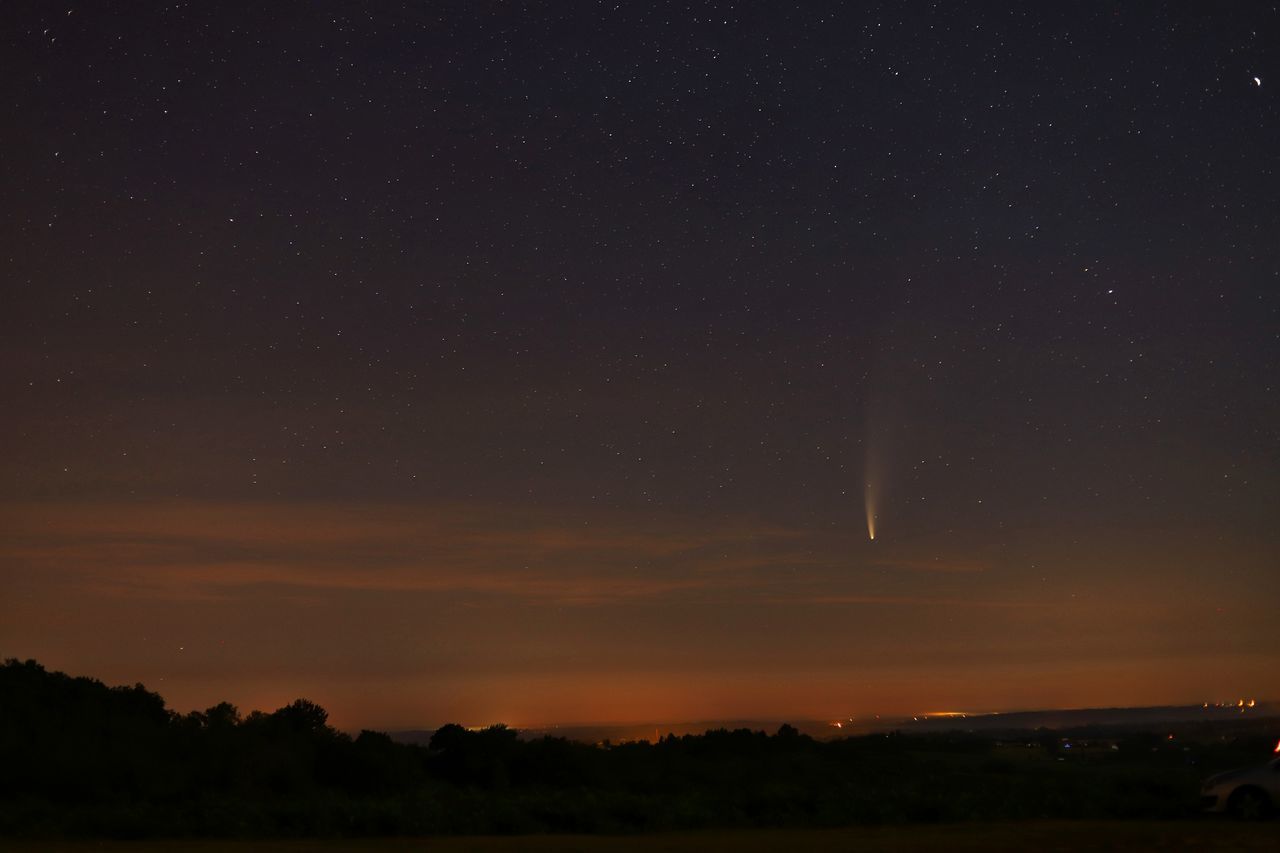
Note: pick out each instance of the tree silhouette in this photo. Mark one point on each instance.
(302, 715)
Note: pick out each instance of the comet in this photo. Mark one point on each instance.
(873, 470)
(874, 464)
(870, 502)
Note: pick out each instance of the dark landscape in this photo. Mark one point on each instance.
(86, 760)
(1077, 836)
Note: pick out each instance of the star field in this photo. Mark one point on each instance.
(533, 362)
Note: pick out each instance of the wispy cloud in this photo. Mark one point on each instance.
(915, 601)
(202, 551)
(199, 550)
(933, 564)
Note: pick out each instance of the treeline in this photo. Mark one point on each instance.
(80, 758)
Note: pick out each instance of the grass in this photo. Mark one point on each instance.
(1057, 836)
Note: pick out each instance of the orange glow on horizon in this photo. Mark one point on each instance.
(485, 614)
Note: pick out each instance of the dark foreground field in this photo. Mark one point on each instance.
(1205, 835)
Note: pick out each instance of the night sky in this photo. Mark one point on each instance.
(550, 362)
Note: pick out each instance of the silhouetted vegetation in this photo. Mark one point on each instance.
(80, 758)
